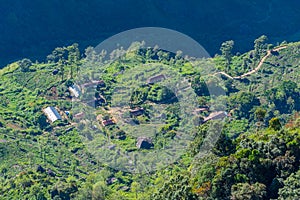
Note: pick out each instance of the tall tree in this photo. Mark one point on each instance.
(260, 114)
(177, 187)
(275, 124)
(245, 191)
(73, 57)
(61, 68)
(260, 46)
(25, 64)
(291, 189)
(226, 49)
(243, 103)
(199, 86)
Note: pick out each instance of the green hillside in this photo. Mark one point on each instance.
(256, 156)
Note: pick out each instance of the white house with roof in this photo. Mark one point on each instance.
(75, 91)
(52, 114)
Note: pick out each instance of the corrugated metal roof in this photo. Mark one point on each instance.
(52, 114)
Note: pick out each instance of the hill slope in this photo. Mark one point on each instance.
(256, 156)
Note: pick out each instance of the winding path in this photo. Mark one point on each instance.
(261, 62)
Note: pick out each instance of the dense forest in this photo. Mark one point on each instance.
(32, 28)
(256, 154)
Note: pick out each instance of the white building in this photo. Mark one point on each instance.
(52, 114)
(216, 115)
(75, 91)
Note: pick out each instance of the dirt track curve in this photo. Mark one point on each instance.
(261, 62)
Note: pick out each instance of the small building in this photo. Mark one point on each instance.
(215, 115)
(144, 143)
(108, 122)
(156, 79)
(75, 91)
(52, 114)
(136, 112)
(79, 115)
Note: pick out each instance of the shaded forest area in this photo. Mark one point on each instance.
(32, 28)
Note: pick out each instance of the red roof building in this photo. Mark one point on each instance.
(108, 122)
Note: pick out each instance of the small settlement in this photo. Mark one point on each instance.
(97, 100)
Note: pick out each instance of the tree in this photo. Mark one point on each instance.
(284, 96)
(291, 189)
(260, 114)
(90, 54)
(135, 187)
(25, 64)
(199, 86)
(243, 102)
(42, 121)
(275, 124)
(177, 187)
(260, 46)
(224, 146)
(100, 191)
(59, 53)
(226, 49)
(245, 64)
(62, 70)
(50, 58)
(245, 191)
(161, 94)
(230, 87)
(73, 53)
(73, 57)
(288, 87)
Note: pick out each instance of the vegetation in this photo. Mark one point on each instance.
(226, 49)
(256, 155)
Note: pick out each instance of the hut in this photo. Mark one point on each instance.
(215, 115)
(108, 122)
(156, 79)
(79, 115)
(136, 112)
